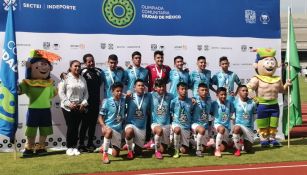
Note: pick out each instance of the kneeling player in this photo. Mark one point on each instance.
(201, 117)
(161, 117)
(138, 112)
(221, 110)
(181, 110)
(245, 109)
(110, 119)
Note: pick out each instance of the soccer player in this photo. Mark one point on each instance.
(181, 111)
(201, 117)
(226, 78)
(221, 110)
(157, 70)
(178, 75)
(112, 75)
(160, 113)
(111, 118)
(245, 109)
(135, 71)
(138, 113)
(202, 75)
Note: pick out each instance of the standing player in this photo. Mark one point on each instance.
(161, 117)
(181, 110)
(202, 75)
(112, 75)
(111, 118)
(201, 117)
(157, 70)
(245, 109)
(138, 113)
(226, 78)
(221, 110)
(178, 75)
(135, 71)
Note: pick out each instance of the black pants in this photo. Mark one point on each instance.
(88, 124)
(72, 119)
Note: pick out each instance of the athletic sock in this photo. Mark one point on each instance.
(176, 141)
(106, 144)
(236, 140)
(218, 140)
(199, 138)
(157, 140)
(129, 143)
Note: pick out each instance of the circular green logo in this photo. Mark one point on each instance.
(118, 13)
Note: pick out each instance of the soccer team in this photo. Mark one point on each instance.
(146, 110)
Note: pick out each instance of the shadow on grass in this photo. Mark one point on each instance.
(300, 141)
(48, 154)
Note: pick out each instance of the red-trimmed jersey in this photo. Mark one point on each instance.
(153, 74)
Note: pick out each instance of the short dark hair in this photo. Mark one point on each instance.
(203, 85)
(159, 82)
(136, 53)
(87, 55)
(223, 58)
(182, 84)
(178, 57)
(201, 58)
(113, 57)
(138, 80)
(158, 52)
(117, 85)
(221, 89)
(240, 86)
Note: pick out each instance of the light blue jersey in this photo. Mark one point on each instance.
(110, 77)
(244, 112)
(135, 73)
(201, 113)
(160, 113)
(226, 80)
(113, 113)
(176, 76)
(138, 116)
(197, 77)
(181, 111)
(222, 113)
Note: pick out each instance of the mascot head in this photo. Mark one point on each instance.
(266, 63)
(39, 64)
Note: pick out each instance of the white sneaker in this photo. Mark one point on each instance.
(69, 152)
(76, 152)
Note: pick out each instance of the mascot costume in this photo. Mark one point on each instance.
(40, 90)
(267, 86)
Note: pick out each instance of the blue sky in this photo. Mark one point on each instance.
(298, 6)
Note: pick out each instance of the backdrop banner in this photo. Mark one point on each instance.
(72, 28)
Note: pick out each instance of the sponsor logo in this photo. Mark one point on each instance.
(19, 126)
(46, 45)
(155, 47)
(7, 3)
(24, 45)
(119, 14)
(77, 46)
(250, 16)
(243, 48)
(103, 45)
(199, 47)
(110, 46)
(206, 47)
(181, 47)
(264, 18)
(56, 46)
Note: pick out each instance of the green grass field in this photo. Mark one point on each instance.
(59, 163)
(303, 90)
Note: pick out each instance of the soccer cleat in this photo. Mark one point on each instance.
(148, 145)
(217, 153)
(275, 143)
(91, 148)
(176, 154)
(199, 153)
(28, 153)
(158, 155)
(105, 158)
(69, 152)
(82, 148)
(76, 152)
(41, 152)
(237, 152)
(130, 155)
(265, 144)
